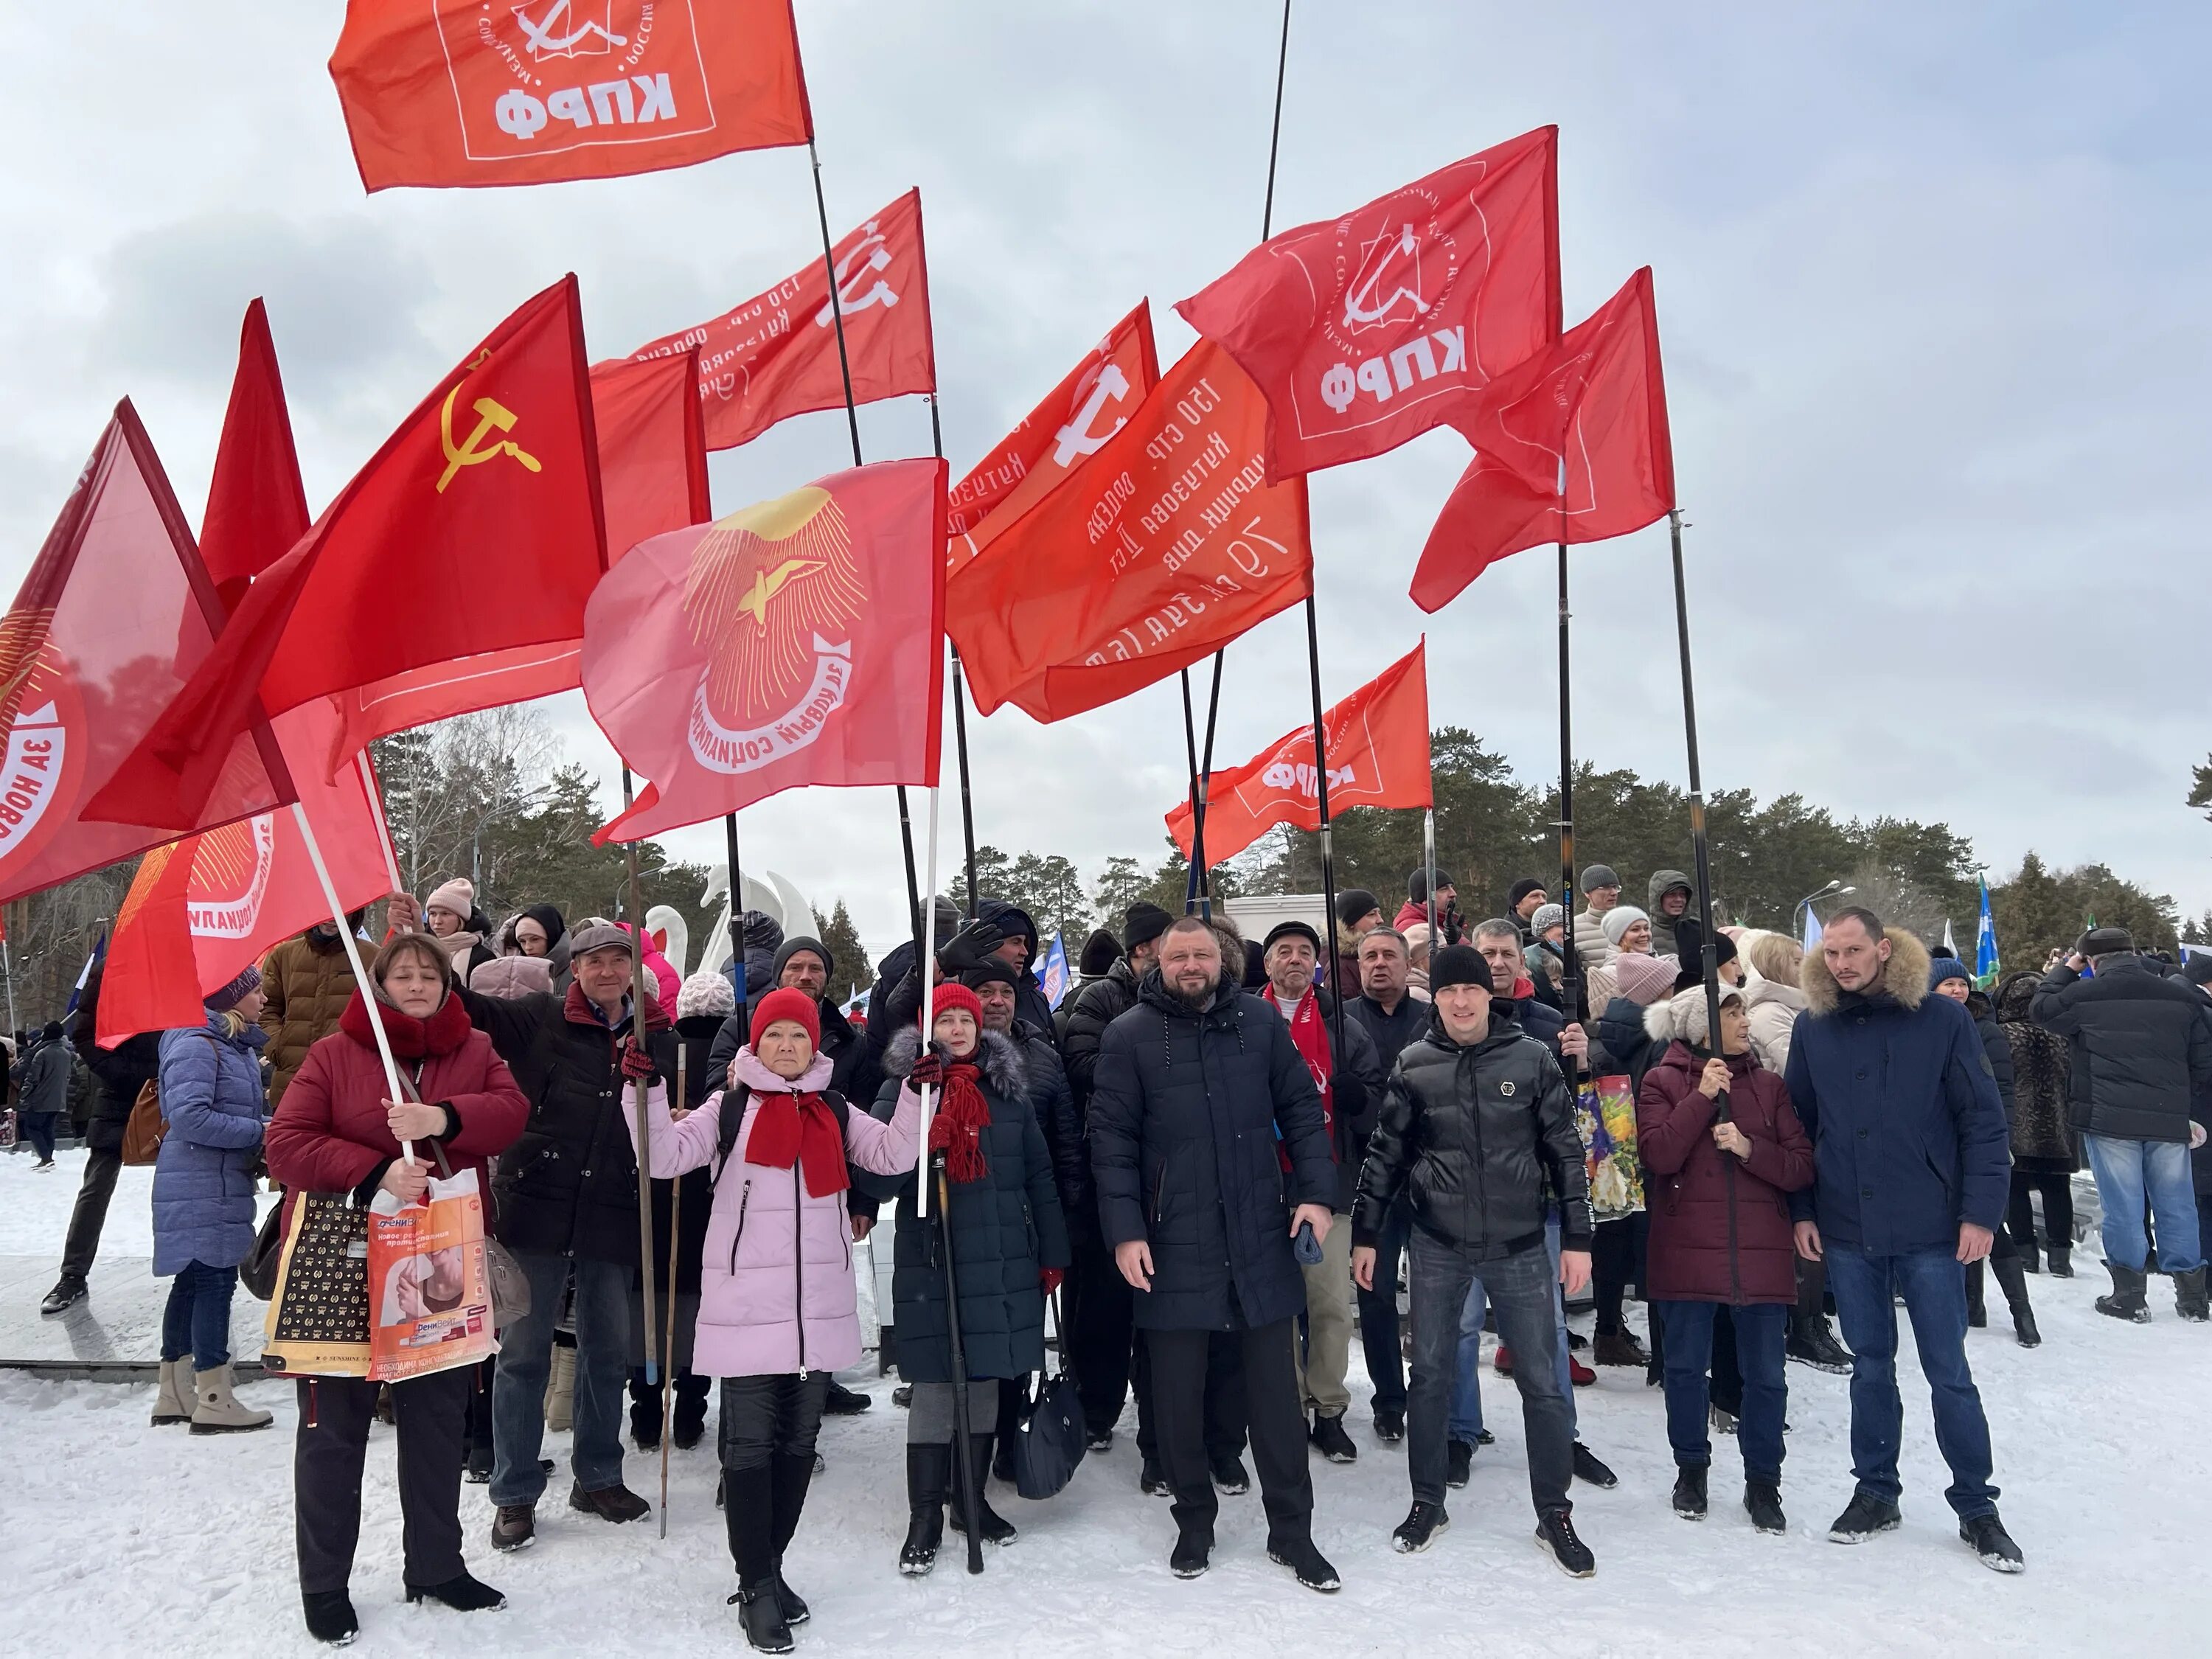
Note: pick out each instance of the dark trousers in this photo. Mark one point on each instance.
(1180, 1363)
(766, 1441)
(1224, 1399)
(2058, 1192)
(1760, 1332)
(1616, 1263)
(1099, 1337)
(38, 1130)
(196, 1323)
(1523, 1294)
(90, 1214)
(432, 1415)
(1378, 1312)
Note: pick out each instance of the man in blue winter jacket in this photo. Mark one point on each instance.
(1912, 1175)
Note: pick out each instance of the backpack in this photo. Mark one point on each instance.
(141, 1135)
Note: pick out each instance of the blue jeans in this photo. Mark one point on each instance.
(1467, 1387)
(1760, 1332)
(197, 1322)
(2130, 1172)
(1378, 1312)
(1525, 1289)
(526, 1357)
(1934, 1287)
(38, 1130)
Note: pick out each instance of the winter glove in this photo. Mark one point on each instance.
(929, 1069)
(967, 949)
(1050, 1278)
(636, 1063)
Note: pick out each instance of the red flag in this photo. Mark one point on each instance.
(116, 613)
(776, 356)
(529, 91)
(1162, 547)
(1074, 421)
(475, 528)
(202, 910)
(794, 642)
(1377, 744)
(653, 472)
(256, 506)
(1369, 329)
(1600, 400)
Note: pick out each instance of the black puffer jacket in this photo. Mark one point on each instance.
(1098, 1006)
(1054, 1105)
(695, 1038)
(1623, 1045)
(1356, 1074)
(568, 1187)
(1997, 1045)
(2141, 1048)
(1481, 1140)
(1186, 1107)
(120, 1071)
(1005, 1227)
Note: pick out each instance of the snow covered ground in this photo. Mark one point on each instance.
(121, 1538)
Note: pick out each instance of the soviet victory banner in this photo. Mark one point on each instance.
(1377, 744)
(795, 641)
(459, 92)
(1162, 547)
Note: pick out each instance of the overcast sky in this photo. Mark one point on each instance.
(1930, 283)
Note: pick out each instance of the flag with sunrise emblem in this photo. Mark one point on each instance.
(795, 641)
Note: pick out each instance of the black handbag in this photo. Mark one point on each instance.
(1049, 1441)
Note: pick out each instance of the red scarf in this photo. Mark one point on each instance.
(1310, 1036)
(790, 1127)
(956, 1128)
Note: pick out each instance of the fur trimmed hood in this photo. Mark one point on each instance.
(1003, 1068)
(1906, 981)
(1681, 1018)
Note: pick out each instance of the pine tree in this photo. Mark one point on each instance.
(852, 971)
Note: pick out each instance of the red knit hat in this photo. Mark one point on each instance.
(954, 995)
(788, 1003)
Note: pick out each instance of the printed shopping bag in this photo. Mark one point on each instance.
(429, 1283)
(317, 1324)
(1605, 1113)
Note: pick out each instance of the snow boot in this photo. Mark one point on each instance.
(644, 1410)
(561, 1388)
(2190, 1299)
(844, 1402)
(929, 1473)
(1862, 1517)
(1555, 1536)
(1422, 1525)
(330, 1617)
(1310, 1565)
(1329, 1439)
(2126, 1301)
(761, 1616)
(1621, 1347)
(2012, 1279)
(1762, 1501)
(1149, 1480)
(2061, 1258)
(215, 1410)
(1193, 1553)
(1690, 1492)
(1592, 1471)
(1229, 1478)
(171, 1405)
(464, 1594)
(1978, 1313)
(1813, 1342)
(1992, 1545)
(996, 1528)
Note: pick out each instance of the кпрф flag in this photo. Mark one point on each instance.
(1366, 331)
(1596, 406)
(114, 618)
(449, 92)
(1377, 744)
(776, 354)
(475, 528)
(797, 641)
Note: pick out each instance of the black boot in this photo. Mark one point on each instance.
(644, 1412)
(2061, 1257)
(1690, 1492)
(2126, 1301)
(463, 1594)
(928, 1471)
(761, 1616)
(2191, 1300)
(2012, 1279)
(996, 1528)
(1978, 1313)
(690, 1424)
(791, 1476)
(330, 1616)
(748, 1512)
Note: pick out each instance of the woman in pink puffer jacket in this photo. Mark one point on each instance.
(777, 1312)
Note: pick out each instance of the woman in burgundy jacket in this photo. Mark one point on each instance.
(1721, 1149)
(336, 1132)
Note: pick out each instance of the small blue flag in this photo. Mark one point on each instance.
(1056, 972)
(1985, 946)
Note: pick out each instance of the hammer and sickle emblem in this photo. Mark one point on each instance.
(1077, 438)
(492, 416)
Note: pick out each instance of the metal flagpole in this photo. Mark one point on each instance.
(353, 960)
(959, 712)
(736, 914)
(921, 969)
(853, 424)
(1321, 785)
(1570, 959)
(1710, 966)
(645, 1269)
(1191, 885)
(1429, 855)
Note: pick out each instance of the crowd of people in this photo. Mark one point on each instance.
(1216, 1160)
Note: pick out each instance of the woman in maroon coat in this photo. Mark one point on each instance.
(336, 1131)
(1721, 1148)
